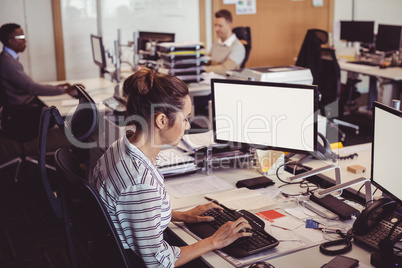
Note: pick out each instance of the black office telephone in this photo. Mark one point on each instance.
(371, 216)
(377, 222)
(374, 223)
(325, 152)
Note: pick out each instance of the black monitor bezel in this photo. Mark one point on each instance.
(154, 36)
(103, 63)
(395, 112)
(358, 26)
(259, 83)
(384, 43)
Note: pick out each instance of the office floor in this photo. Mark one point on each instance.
(30, 234)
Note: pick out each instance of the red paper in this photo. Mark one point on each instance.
(270, 215)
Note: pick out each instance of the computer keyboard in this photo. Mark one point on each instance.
(244, 246)
(368, 63)
(114, 105)
(374, 237)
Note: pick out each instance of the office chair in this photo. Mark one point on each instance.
(19, 125)
(326, 75)
(89, 216)
(77, 129)
(244, 34)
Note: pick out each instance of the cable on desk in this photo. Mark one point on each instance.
(346, 240)
(303, 184)
(351, 156)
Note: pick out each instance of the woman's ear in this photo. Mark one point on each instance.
(161, 121)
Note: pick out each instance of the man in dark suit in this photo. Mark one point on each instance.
(22, 108)
(17, 89)
(17, 86)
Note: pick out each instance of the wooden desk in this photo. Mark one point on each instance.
(388, 79)
(310, 257)
(98, 88)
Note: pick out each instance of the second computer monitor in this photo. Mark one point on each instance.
(265, 115)
(389, 38)
(386, 151)
(157, 37)
(357, 31)
(98, 51)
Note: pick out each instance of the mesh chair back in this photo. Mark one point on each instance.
(88, 215)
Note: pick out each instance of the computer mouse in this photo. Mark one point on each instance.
(261, 264)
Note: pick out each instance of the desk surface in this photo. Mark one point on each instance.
(100, 89)
(391, 73)
(295, 259)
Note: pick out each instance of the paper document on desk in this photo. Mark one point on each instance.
(243, 198)
(172, 157)
(197, 186)
(172, 161)
(194, 142)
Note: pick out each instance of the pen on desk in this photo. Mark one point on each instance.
(216, 202)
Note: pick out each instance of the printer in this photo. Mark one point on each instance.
(281, 74)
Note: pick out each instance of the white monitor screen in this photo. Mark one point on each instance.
(387, 150)
(265, 115)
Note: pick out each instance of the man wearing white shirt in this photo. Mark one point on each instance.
(228, 53)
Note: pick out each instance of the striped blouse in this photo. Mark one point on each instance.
(134, 194)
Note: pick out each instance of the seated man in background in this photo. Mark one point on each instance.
(228, 53)
(16, 87)
(21, 112)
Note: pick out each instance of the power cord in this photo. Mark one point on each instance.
(303, 184)
(346, 239)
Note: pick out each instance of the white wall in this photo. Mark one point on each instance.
(79, 21)
(35, 18)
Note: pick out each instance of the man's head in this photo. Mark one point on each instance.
(223, 24)
(12, 36)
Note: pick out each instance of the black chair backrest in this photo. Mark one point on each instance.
(244, 33)
(88, 215)
(85, 119)
(310, 52)
(329, 80)
(77, 128)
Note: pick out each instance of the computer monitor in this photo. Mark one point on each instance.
(265, 115)
(157, 37)
(357, 31)
(98, 51)
(386, 154)
(389, 38)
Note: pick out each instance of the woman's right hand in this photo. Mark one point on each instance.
(230, 232)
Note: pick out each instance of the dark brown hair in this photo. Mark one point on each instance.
(150, 93)
(224, 13)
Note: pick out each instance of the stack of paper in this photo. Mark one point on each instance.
(194, 142)
(172, 161)
(243, 198)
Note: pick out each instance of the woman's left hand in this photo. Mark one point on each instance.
(195, 214)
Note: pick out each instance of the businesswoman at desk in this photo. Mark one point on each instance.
(131, 186)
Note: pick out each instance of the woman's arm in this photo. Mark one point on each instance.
(225, 235)
(194, 215)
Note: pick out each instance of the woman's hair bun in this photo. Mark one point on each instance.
(140, 83)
